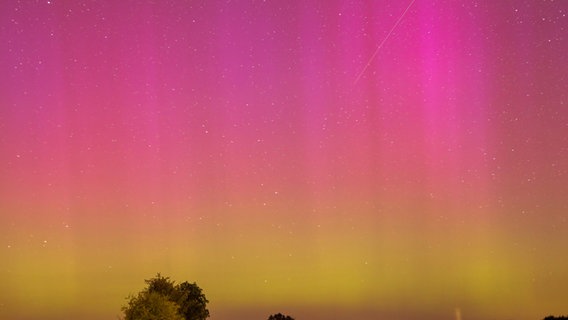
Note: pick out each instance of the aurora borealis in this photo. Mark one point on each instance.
(272, 152)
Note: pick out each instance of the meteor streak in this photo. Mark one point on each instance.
(382, 43)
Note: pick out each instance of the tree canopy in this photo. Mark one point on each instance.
(162, 299)
(151, 306)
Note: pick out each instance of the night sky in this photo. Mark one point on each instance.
(324, 159)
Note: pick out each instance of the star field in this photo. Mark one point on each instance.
(337, 159)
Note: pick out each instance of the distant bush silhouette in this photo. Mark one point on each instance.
(164, 300)
(556, 318)
(279, 316)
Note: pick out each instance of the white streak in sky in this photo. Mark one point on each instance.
(382, 43)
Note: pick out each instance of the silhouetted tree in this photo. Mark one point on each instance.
(556, 318)
(280, 316)
(151, 306)
(192, 301)
(187, 299)
(161, 285)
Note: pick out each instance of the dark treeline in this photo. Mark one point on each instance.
(163, 299)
